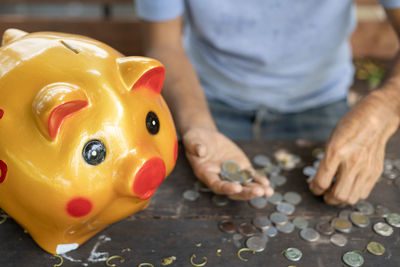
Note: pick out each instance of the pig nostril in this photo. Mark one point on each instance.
(149, 177)
(1, 113)
(79, 207)
(3, 171)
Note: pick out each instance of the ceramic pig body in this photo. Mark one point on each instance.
(85, 136)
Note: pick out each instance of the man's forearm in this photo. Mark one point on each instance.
(182, 90)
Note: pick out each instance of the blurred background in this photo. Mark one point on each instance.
(115, 23)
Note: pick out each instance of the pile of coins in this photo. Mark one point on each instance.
(256, 233)
(232, 172)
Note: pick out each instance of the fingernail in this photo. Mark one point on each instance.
(270, 192)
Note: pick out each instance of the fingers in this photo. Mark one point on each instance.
(325, 173)
(264, 183)
(218, 186)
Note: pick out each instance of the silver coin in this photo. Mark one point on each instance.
(224, 175)
(383, 229)
(202, 187)
(345, 214)
(191, 195)
(293, 254)
(316, 164)
(292, 198)
(365, 207)
(285, 208)
(262, 223)
(300, 223)
(278, 218)
(273, 170)
(220, 200)
(382, 211)
(228, 226)
(286, 228)
(388, 165)
(319, 155)
(338, 240)
(275, 199)
(278, 180)
(393, 219)
(237, 240)
(230, 166)
(309, 171)
(393, 174)
(247, 229)
(271, 232)
(261, 160)
(359, 219)
(247, 176)
(325, 228)
(341, 225)
(309, 234)
(258, 202)
(353, 259)
(256, 243)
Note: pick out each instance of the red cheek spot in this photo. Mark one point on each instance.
(1, 113)
(149, 177)
(176, 150)
(79, 207)
(3, 171)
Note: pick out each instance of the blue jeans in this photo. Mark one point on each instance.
(263, 124)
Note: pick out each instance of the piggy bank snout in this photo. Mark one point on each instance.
(147, 179)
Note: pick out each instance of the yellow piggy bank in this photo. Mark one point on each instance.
(85, 135)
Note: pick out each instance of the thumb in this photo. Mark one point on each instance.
(195, 147)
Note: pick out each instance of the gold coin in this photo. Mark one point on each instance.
(376, 248)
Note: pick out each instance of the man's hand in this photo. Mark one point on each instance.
(206, 150)
(355, 151)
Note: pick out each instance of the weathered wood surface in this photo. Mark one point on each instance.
(172, 226)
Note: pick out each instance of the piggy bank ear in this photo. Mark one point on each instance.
(141, 72)
(11, 35)
(54, 103)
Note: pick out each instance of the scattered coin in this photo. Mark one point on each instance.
(309, 171)
(341, 225)
(278, 180)
(325, 228)
(262, 223)
(278, 218)
(237, 240)
(345, 214)
(293, 254)
(338, 240)
(258, 202)
(256, 243)
(247, 229)
(316, 164)
(275, 199)
(202, 187)
(271, 232)
(261, 160)
(285, 208)
(191, 195)
(228, 226)
(382, 211)
(353, 259)
(365, 207)
(230, 166)
(383, 229)
(272, 170)
(286, 228)
(359, 219)
(375, 248)
(300, 223)
(220, 200)
(309, 234)
(393, 219)
(320, 155)
(292, 198)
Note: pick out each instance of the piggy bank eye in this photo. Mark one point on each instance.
(94, 152)
(152, 123)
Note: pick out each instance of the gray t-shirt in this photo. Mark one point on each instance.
(286, 55)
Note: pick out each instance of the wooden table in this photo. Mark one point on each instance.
(172, 226)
